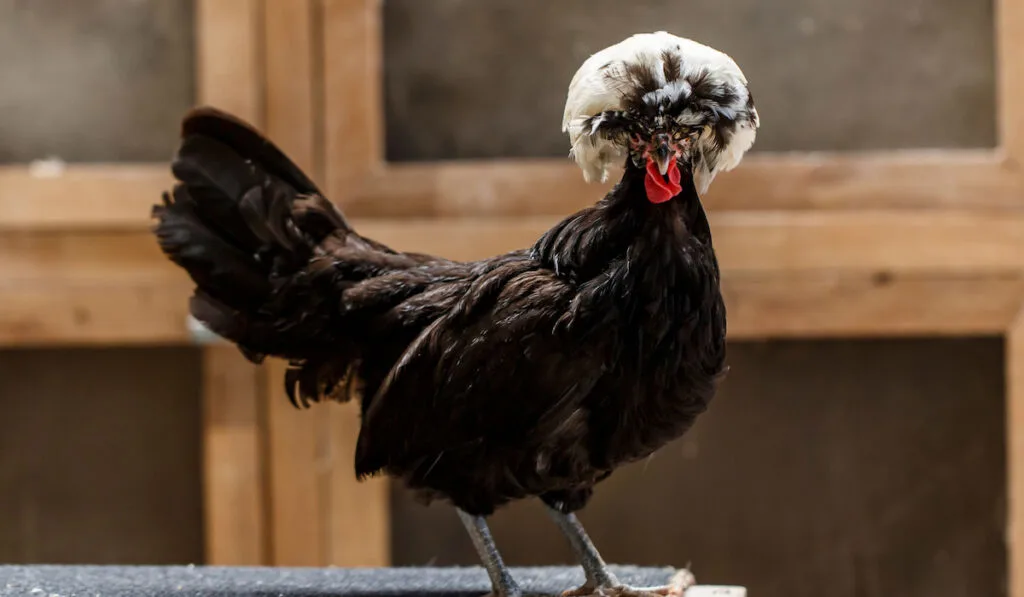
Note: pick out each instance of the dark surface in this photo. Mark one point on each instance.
(838, 468)
(94, 80)
(100, 456)
(466, 78)
(89, 581)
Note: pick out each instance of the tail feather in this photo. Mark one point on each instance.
(247, 143)
(244, 222)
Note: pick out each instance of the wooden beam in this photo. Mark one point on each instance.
(229, 56)
(360, 514)
(1015, 453)
(105, 197)
(89, 287)
(943, 242)
(953, 179)
(83, 313)
(290, 86)
(233, 478)
(353, 103)
(867, 305)
(1010, 80)
(298, 475)
(80, 196)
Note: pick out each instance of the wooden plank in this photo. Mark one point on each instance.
(866, 305)
(290, 102)
(360, 513)
(1015, 453)
(941, 242)
(299, 454)
(80, 196)
(233, 488)
(904, 240)
(87, 257)
(946, 242)
(88, 287)
(956, 179)
(353, 116)
(810, 304)
(40, 313)
(229, 56)
(1010, 77)
(298, 475)
(115, 197)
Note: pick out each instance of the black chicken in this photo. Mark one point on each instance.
(534, 373)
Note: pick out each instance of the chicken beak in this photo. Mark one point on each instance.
(663, 157)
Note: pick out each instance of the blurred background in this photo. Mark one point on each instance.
(848, 464)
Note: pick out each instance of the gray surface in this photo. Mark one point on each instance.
(468, 78)
(89, 581)
(94, 80)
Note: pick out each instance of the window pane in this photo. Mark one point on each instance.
(473, 78)
(94, 80)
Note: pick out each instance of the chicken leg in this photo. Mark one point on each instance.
(502, 583)
(600, 580)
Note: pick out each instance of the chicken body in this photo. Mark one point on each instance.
(534, 373)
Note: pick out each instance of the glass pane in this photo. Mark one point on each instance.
(485, 79)
(94, 80)
(820, 466)
(100, 456)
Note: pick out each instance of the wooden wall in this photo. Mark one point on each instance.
(100, 456)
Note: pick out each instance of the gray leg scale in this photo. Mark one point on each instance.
(598, 575)
(501, 580)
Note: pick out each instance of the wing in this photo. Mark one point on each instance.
(496, 366)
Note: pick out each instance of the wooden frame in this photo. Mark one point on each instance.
(812, 245)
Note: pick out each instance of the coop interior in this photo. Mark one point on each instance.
(862, 443)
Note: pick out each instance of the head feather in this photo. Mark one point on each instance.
(661, 67)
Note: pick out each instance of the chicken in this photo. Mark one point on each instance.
(531, 374)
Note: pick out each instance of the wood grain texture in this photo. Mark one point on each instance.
(290, 85)
(940, 242)
(298, 475)
(233, 477)
(809, 272)
(1015, 451)
(119, 197)
(360, 513)
(1010, 78)
(229, 55)
(946, 179)
(353, 114)
(80, 196)
(105, 197)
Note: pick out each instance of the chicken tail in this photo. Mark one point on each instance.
(245, 223)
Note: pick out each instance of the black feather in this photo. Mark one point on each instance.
(533, 373)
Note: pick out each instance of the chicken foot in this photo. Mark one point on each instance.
(601, 582)
(502, 583)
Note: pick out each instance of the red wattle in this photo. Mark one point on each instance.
(658, 189)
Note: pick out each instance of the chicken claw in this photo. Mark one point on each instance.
(681, 581)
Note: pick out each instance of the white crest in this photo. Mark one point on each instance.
(595, 89)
